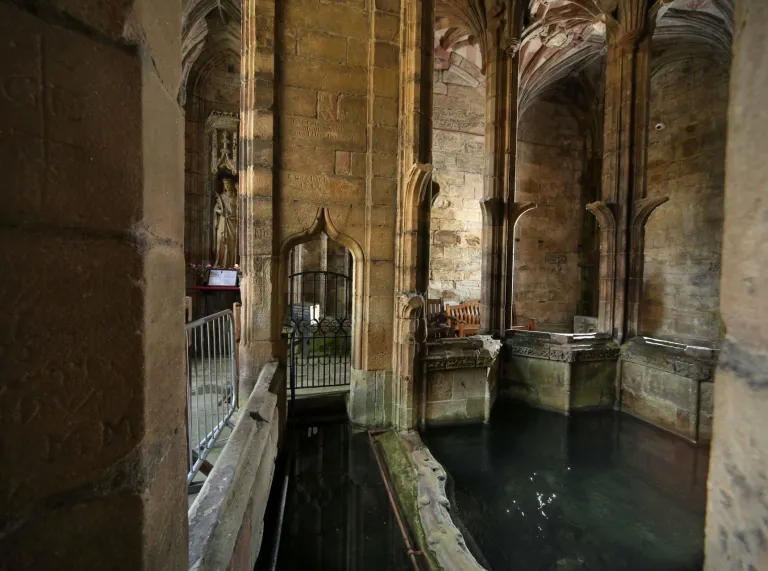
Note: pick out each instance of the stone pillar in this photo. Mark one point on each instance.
(257, 210)
(92, 394)
(737, 511)
(626, 110)
(413, 206)
(500, 150)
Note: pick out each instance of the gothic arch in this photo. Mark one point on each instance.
(324, 223)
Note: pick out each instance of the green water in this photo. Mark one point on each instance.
(537, 491)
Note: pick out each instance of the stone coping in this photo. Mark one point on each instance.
(692, 362)
(217, 513)
(563, 347)
(478, 351)
(425, 480)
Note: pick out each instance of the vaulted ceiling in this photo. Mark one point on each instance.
(562, 37)
(197, 31)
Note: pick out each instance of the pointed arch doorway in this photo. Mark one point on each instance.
(319, 320)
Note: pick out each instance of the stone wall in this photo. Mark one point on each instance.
(737, 510)
(92, 397)
(336, 163)
(669, 386)
(551, 163)
(458, 143)
(686, 162)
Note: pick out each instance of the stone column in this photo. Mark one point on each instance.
(737, 511)
(500, 143)
(257, 210)
(413, 205)
(92, 394)
(626, 102)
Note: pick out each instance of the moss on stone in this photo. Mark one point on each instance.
(404, 478)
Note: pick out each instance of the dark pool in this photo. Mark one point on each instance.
(338, 516)
(538, 491)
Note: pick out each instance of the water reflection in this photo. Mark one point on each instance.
(598, 491)
(338, 516)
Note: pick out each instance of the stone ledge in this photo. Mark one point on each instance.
(695, 363)
(564, 347)
(479, 351)
(226, 518)
(420, 484)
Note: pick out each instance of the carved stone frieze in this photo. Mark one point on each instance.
(669, 357)
(465, 353)
(553, 347)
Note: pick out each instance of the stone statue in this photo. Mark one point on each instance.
(225, 226)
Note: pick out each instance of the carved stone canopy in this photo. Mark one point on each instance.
(223, 132)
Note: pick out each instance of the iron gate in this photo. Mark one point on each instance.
(319, 327)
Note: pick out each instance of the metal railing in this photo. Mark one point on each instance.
(211, 384)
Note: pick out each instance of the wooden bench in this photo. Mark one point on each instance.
(437, 321)
(464, 318)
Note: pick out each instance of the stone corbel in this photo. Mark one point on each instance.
(517, 209)
(603, 211)
(643, 208)
(493, 211)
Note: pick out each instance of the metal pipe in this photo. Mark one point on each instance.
(281, 515)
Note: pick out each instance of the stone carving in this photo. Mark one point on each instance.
(434, 510)
(472, 352)
(669, 357)
(225, 226)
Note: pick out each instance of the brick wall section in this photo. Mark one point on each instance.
(456, 224)
(550, 165)
(686, 161)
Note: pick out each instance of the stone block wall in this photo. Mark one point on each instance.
(92, 398)
(551, 161)
(337, 74)
(457, 395)
(686, 162)
(458, 147)
(669, 389)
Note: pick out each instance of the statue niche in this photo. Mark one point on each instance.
(225, 224)
(222, 131)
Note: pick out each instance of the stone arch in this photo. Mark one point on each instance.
(323, 223)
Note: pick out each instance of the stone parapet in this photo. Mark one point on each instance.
(695, 363)
(559, 371)
(461, 379)
(669, 385)
(226, 520)
(419, 482)
(467, 352)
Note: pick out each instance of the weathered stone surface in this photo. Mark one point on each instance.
(683, 238)
(550, 249)
(455, 218)
(561, 372)
(737, 514)
(91, 406)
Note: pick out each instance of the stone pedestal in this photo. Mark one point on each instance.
(461, 380)
(669, 385)
(560, 371)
